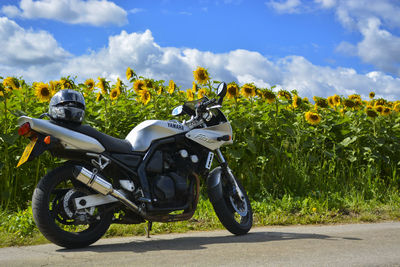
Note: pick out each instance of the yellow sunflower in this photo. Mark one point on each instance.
(145, 96)
(312, 117)
(320, 102)
(201, 75)
(232, 90)
(66, 84)
(189, 94)
(160, 90)
(55, 86)
(259, 93)
(305, 100)
(284, 94)
(349, 103)
(99, 97)
(2, 89)
(118, 86)
(171, 87)
(138, 86)
(42, 91)
(129, 73)
(114, 94)
(102, 85)
(379, 108)
(201, 93)
(148, 83)
(89, 84)
(358, 104)
(380, 102)
(396, 107)
(355, 97)
(331, 102)
(371, 95)
(248, 90)
(370, 111)
(269, 96)
(296, 101)
(194, 87)
(336, 100)
(11, 83)
(386, 111)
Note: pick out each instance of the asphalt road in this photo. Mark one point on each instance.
(333, 245)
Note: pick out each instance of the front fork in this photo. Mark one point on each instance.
(227, 177)
(221, 160)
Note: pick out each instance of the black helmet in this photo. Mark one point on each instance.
(67, 105)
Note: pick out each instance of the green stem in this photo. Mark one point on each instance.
(6, 160)
(37, 171)
(106, 119)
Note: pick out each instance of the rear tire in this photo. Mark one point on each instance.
(234, 213)
(51, 204)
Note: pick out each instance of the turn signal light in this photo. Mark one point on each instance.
(47, 140)
(24, 129)
(224, 138)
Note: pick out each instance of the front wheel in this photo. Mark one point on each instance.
(55, 214)
(230, 201)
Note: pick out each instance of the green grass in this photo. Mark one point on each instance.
(18, 229)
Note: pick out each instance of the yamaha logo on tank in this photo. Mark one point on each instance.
(175, 126)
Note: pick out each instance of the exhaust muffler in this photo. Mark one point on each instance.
(100, 185)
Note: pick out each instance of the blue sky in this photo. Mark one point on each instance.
(318, 47)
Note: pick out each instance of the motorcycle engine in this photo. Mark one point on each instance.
(170, 186)
(169, 176)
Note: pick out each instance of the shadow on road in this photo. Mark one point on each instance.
(193, 243)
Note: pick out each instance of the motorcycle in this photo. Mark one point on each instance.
(152, 175)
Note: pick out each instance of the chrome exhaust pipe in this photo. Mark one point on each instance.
(100, 185)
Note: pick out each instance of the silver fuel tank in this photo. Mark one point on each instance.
(146, 132)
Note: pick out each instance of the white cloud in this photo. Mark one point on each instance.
(379, 47)
(326, 3)
(147, 58)
(140, 52)
(25, 50)
(351, 12)
(93, 12)
(311, 80)
(136, 10)
(347, 48)
(374, 20)
(287, 6)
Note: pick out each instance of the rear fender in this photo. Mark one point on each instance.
(41, 146)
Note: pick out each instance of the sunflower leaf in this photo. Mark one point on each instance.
(348, 140)
(9, 138)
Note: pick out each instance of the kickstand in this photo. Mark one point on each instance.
(148, 229)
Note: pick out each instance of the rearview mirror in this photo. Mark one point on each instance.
(221, 92)
(222, 89)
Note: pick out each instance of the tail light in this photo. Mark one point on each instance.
(24, 129)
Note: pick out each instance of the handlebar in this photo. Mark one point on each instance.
(203, 105)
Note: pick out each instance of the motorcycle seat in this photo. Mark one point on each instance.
(111, 144)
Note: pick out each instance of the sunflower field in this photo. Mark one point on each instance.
(284, 145)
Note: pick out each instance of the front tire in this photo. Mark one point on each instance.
(231, 203)
(56, 217)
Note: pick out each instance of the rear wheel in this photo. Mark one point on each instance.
(233, 209)
(57, 218)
